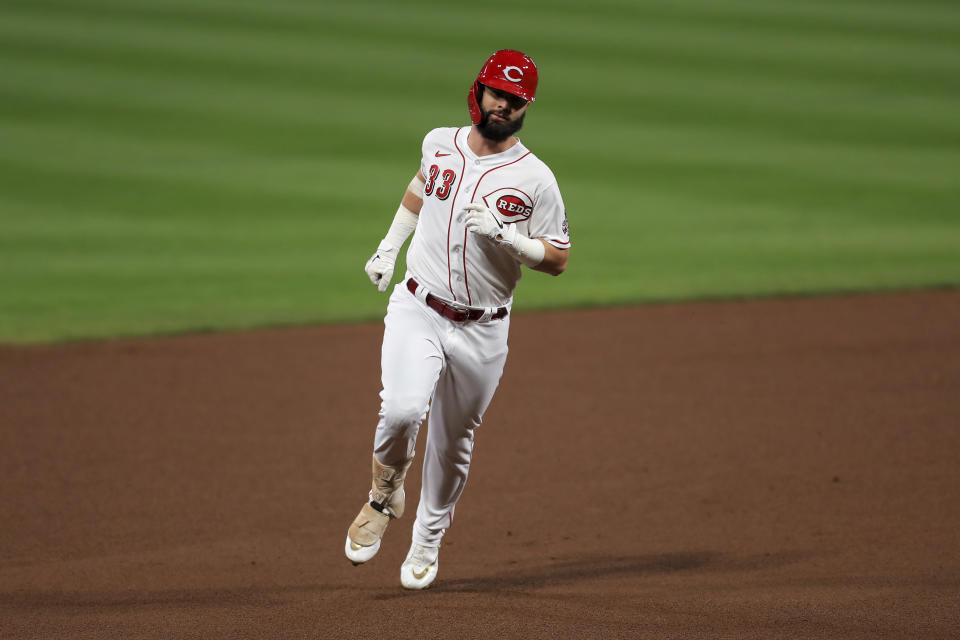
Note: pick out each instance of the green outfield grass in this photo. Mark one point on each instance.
(188, 165)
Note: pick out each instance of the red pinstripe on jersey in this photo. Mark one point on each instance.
(463, 170)
(477, 188)
(465, 233)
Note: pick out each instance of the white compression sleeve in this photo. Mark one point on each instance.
(416, 186)
(404, 223)
(528, 251)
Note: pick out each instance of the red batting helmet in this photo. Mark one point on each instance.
(507, 70)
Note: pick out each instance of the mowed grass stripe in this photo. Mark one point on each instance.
(924, 22)
(708, 44)
(305, 55)
(831, 162)
(194, 50)
(782, 107)
(626, 83)
(672, 246)
(726, 160)
(91, 153)
(364, 74)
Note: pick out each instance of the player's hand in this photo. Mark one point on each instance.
(379, 267)
(486, 222)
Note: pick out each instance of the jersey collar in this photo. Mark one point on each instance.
(509, 155)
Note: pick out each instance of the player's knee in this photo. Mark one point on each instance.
(400, 414)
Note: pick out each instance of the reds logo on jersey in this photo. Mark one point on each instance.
(512, 204)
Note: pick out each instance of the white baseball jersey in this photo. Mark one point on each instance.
(463, 267)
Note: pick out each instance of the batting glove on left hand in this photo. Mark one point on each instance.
(487, 222)
(379, 267)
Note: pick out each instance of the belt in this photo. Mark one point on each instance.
(457, 314)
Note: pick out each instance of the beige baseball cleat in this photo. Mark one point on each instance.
(363, 537)
(386, 502)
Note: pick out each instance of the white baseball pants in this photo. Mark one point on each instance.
(451, 369)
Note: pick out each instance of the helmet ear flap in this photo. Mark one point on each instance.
(473, 102)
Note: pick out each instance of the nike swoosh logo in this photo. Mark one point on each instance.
(419, 575)
(440, 155)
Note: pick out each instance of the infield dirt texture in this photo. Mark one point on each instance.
(772, 469)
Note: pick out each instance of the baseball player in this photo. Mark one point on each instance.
(481, 206)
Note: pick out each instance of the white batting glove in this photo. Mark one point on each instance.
(483, 221)
(379, 267)
(487, 222)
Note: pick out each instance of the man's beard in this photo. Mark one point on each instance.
(496, 130)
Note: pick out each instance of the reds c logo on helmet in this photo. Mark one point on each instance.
(508, 70)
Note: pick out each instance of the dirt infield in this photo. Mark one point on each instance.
(780, 468)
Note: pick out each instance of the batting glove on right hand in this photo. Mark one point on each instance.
(487, 222)
(379, 267)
